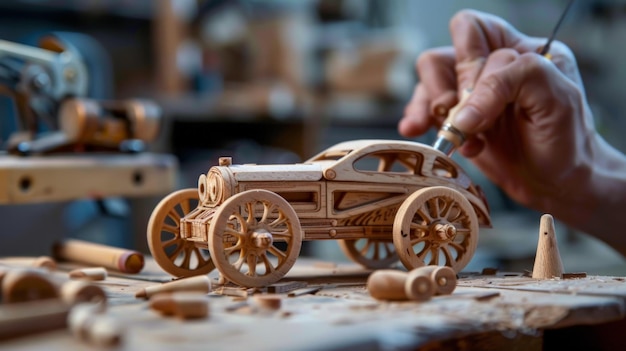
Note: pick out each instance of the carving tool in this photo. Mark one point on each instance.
(449, 138)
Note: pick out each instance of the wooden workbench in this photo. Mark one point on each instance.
(486, 312)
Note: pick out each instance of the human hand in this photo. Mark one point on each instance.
(529, 126)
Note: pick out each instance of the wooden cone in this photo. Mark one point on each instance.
(548, 263)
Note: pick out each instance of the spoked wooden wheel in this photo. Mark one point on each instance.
(255, 238)
(177, 256)
(436, 226)
(370, 253)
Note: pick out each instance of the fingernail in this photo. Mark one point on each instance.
(466, 120)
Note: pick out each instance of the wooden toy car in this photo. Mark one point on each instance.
(383, 200)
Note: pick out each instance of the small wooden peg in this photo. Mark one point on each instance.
(94, 273)
(200, 283)
(548, 263)
(182, 304)
(443, 277)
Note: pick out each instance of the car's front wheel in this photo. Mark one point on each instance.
(255, 238)
(436, 226)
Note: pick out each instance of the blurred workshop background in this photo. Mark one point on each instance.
(275, 81)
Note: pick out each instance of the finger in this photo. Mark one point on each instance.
(417, 119)
(475, 35)
(436, 69)
(526, 80)
(497, 61)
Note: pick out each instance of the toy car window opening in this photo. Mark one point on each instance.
(332, 155)
(390, 162)
(443, 168)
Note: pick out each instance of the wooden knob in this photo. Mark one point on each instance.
(443, 278)
(22, 285)
(418, 287)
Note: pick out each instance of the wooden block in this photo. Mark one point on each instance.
(49, 178)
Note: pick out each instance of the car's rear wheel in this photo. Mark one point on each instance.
(370, 253)
(436, 226)
(255, 238)
(177, 256)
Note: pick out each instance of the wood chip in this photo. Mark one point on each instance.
(489, 271)
(281, 288)
(267, 301)
(324, 264)
(575, 275)
(232, 291)
(486, 296)
(304, 291)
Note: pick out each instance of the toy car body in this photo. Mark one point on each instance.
(383, 199)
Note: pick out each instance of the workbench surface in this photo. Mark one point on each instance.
(484, 312)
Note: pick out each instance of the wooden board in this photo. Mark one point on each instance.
(79, 176)
(343, 316)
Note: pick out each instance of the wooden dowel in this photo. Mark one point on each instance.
(123, 260)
